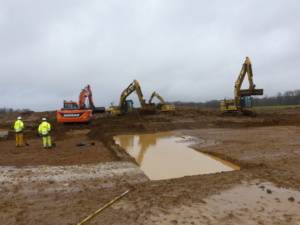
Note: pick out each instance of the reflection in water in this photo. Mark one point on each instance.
(223, 162)
(145, 141)
(166, 155)
(126, 140)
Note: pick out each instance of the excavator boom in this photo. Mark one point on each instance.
(246, 69)
(154, 94)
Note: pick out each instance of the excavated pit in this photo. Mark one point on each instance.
(68, 183)
(167, 155)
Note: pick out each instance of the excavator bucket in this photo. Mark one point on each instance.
(246, 92)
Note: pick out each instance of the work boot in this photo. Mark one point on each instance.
(45, 149)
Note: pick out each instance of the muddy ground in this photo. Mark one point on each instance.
(68, 183)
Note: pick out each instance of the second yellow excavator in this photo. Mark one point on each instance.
(242, 97)
(126, 106)
(162, 106)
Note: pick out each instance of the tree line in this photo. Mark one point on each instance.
(286, 98)
(281, 99)
(5, 110)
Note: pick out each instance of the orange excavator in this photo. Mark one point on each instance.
(80, 112)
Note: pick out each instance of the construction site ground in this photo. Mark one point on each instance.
(66, 184)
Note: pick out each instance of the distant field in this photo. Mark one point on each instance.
(277, 107)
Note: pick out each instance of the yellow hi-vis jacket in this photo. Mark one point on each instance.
(19, 126)
(44, 128)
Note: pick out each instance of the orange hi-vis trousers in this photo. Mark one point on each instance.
(19, 140)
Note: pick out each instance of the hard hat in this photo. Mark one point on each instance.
(44, 119)
(19, 118)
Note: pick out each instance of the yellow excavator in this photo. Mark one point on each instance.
(126, 106)
(162, 106)
(242, 101)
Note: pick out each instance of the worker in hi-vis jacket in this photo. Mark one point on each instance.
(19, 127)
(44, 131)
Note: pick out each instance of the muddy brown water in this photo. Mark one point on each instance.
(167, 155)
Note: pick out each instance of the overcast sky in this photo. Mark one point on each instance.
(185, 50)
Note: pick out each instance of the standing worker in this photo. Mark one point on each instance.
(44, 131)
(19, 127)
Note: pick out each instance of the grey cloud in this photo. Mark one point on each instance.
(185, 50)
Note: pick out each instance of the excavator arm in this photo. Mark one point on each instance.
(246, 69)
(86, 93)
(134, 86)
(238, 92)
(131, 88)
(82, 97)
(89, 95)
(154, 94)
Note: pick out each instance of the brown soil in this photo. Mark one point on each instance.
(67, 183)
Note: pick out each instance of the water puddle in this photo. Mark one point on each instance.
(247, 204)
(275, 205)
(166, 155)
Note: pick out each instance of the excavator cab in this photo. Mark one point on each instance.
(159, 106)
(127, 106)
(246, 102)
(69, 105)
